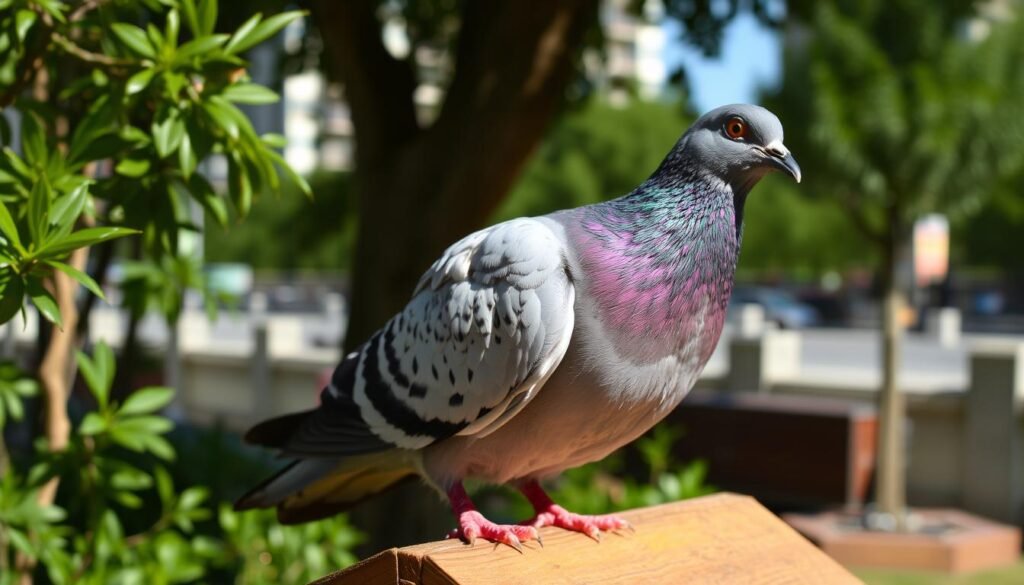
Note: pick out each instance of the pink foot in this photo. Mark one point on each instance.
(473, 525)
(551, 514)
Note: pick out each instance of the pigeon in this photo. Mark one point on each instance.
(536, 345)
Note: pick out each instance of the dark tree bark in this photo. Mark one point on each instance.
(421, 188)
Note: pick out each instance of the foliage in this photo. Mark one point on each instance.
(271, 553)
(107, 483)
(124, 521)
(131, 114)
(605, 486)
(129, 99)
(329, 225)
(595, 153)
(895, 122)
(787, 233)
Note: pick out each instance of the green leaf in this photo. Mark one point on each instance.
(92, 424)
(86, 237)
(133, 168)
(203, 192)
(98, 371)
(23, 21)
(44, 301)
(292, 175)
(266, 29)
(17, 165)
(130, 478)
(164, 485)
(8, 228)
(139, 81)
(33, 140)
(106, 365)
(239, 185)
(53, 8)
(274, 140)
(160, 447)
(207, 16)
(187, 159)
(39, 212)
(98, 121)
(12, 293)
(222, 117)
(199, 46)
(167, 135)
(83, 278)
(145, 425)
(128, 500)
(192, 498)
(21, 542)
(191, 16)
(134, 38)
(147, 400)
(155, 37)
(14, 406)
(241, 34)
(67, 209)
(249, 93)
(171, 28)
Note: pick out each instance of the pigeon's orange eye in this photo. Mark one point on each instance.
(735, 128)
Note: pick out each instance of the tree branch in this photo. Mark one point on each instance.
(378, 87)
(85, 8)
(74, 50)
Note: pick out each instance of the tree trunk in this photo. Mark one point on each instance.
(56, 373)
(890, 486)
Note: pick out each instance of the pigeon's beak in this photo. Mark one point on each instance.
(782, 159)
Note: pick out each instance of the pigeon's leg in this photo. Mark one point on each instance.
(551, 514)
(473, 525)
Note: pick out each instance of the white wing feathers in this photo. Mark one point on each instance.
(488, 324)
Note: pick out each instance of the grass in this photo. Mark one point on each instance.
(1008, 576)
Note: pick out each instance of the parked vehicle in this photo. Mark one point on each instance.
(780, 307)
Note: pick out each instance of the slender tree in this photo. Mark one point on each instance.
(896, 109)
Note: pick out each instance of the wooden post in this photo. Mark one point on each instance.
(723, 539)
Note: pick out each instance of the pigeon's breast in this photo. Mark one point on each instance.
(658, 291)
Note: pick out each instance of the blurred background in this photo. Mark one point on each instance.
(873, 361)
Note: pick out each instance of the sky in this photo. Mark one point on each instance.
(751, 58)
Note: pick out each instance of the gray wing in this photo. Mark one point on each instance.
(487, 325)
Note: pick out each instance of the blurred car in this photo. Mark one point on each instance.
(779, 306)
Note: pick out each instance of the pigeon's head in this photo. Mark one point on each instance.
(739, 143)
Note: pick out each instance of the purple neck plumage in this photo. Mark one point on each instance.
(662, 261)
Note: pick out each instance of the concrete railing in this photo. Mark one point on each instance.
(965, 445)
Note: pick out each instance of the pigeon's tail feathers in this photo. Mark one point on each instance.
(334, 429)
(276, 432)
(311, 489)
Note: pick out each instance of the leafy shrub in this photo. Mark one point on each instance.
(121, 519)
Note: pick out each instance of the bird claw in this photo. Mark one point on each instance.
(473, 525)
(626, 526)
(591, 526)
